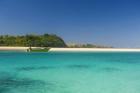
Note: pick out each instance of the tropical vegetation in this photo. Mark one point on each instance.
(30, 40)
(87, 46)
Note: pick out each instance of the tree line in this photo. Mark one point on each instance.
(87, 46)
(45, 40)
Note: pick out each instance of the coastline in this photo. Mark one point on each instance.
(9, 48)
(93, 50)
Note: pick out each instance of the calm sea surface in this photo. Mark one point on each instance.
(65, 72)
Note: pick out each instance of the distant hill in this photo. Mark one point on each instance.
(46, 40)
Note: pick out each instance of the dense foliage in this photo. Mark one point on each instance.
(46, 40)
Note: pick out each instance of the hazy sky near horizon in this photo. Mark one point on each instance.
(106, 22)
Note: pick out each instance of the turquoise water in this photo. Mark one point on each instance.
(64, 72)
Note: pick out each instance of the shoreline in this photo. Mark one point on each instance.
(8, 48)
(94, 50)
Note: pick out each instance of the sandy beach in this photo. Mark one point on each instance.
(5, 48)
(94, 49)
(14, 48)
(74, 49)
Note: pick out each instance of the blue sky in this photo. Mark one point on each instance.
(105, 22)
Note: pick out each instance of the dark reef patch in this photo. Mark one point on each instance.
(34, 68)
(110, 69)
(79, 66)
(12, 84)
(125, 60)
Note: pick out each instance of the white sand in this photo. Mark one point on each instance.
(94, 49)
(15, 48)
(74, 49)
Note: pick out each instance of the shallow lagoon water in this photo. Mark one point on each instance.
(70, 72)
